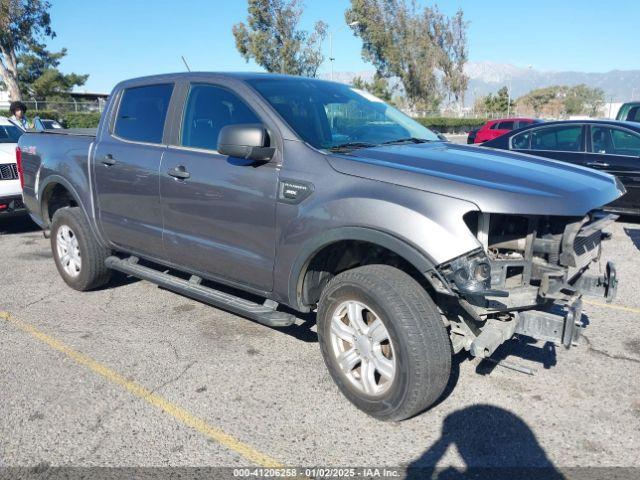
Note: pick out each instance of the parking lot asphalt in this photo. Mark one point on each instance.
(134, 375)
(457, 138)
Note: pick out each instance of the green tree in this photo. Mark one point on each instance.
(26, 66)
(455, 55)
(403, 41)
(271, 37)
(500, 103)
(378, 87)
(40, 79)
(540, 97)
(582, 99)
(23, 26)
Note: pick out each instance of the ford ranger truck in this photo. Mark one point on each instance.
(268, 195)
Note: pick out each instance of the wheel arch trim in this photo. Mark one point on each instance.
(421, 261)
(50, 183)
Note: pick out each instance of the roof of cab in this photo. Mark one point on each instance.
(242, 76)
(603, 121)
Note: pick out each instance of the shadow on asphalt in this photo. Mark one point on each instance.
(454, 376)
(17, 225)
(493, 443)
(629, 219)
(300, 331)
(119, 279)
(634, 235)
(523, 348)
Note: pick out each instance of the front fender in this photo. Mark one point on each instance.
(425, 229)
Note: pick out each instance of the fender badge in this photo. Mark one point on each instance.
(294, 191)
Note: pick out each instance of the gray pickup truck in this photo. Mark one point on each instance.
(268, 195)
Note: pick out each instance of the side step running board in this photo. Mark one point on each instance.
(265, 314)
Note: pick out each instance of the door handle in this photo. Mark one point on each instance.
(108, 160)
(179, 173)
(598, 164)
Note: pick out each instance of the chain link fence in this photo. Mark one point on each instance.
(466, 113)
(34, 106)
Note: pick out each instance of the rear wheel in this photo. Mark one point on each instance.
(383, 341)
(78, 255)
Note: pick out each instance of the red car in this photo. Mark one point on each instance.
(495, 128)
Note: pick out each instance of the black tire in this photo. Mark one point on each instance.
(421, 344)
(92, 272)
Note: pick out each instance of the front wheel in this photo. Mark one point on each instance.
(383, 341)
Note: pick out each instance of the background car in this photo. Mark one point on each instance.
(629, 112)
(10, 190)
(607, 145)
(46, 124)
(496, 128)
(471, 136)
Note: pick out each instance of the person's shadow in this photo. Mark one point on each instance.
(493, 443)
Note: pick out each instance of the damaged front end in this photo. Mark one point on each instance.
(527, 278)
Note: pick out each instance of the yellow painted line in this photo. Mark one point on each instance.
(148, 396)
(613, 307)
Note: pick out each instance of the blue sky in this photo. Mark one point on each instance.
(119, 39)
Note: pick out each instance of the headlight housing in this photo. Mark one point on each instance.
(470, 276)
(470, 272)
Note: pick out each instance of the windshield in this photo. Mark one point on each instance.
(9, 134)
(328, 115)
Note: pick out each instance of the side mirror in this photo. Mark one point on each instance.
(249, 140)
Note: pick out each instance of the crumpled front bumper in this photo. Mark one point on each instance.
(601, 286)
(565, 327)
(560, 324)
(562, 328)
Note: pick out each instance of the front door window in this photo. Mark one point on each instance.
(208, 109)
(614, 141)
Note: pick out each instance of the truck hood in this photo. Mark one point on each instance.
(8, 152)
(497, 181)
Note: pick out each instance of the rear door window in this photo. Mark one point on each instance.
(506, 125)
(558, 138)
(142, 113)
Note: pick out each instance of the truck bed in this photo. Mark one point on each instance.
(47, 153)
(83, 132)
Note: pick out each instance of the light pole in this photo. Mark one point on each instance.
(610, 105)
(331, 58)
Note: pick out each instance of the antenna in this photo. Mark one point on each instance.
(185, 63)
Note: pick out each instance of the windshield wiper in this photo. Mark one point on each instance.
(350, 146)
(406, 140)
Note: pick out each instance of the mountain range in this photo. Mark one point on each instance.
(488, 77)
